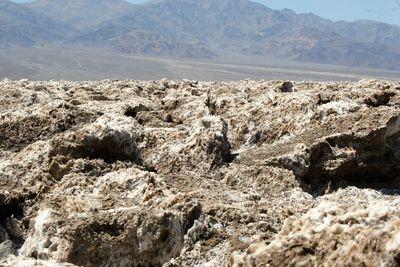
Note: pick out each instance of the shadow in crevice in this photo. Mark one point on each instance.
(11, 207)
(371, 161)
(112, 146)
(318, 186)
(13, 220)
(133, 111)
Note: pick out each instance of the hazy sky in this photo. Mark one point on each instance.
(380, 10)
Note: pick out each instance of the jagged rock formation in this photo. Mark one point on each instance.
(187, 173)
(334, 234)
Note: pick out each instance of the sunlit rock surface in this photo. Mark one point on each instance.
(187, 173)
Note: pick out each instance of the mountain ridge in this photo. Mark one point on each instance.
(204, 28)
(81, 14)
(25, 27)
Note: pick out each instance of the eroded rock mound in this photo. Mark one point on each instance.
(187, 173)
(122, 218)
(333, 234)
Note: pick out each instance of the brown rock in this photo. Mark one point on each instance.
(187, 173)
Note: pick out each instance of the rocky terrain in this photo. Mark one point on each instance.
(186, 173)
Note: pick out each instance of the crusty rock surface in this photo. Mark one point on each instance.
(367, 233)
(187, 173)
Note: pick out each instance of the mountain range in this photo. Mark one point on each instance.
(199, 29)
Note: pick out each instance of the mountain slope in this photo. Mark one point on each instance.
(82, 14)
(25, 27)
(369, 32)
(241, 26)
(208, 28)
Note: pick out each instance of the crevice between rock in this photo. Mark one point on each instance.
(369, 160)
